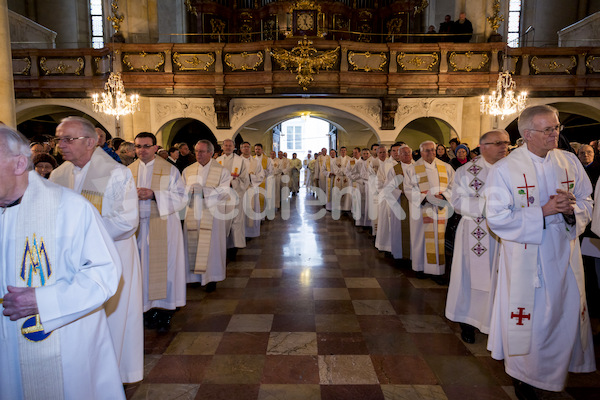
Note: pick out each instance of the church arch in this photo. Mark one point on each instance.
(427, 128)
(356, 125)
(188, 130)
(43, 118)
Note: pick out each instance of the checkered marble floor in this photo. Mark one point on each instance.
(311, 310)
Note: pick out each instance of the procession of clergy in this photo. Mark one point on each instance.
(516, 270)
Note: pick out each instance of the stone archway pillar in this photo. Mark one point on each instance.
(7, 89)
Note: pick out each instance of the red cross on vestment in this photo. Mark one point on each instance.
(526, 187)
(521, 316)
(568, 181)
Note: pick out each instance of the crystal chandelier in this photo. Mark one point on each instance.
(113, 100)
(503, 101)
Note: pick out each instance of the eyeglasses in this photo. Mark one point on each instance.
(143, 146)
(549, 130)
(499, 143)
(68, 140)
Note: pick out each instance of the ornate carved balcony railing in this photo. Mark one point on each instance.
(361, 69)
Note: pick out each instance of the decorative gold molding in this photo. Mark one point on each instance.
(244, 61)
(116, 18)
(26, 69)
(190, 8)
(553, 65)
(468, 67)
(305, 60)
(591, 60)
(496, 18)
(128, 61)
(193, 62)
(353, 59)
(421, 7)
(61, 67)
(417, 60)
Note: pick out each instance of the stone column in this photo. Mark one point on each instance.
(7, 89)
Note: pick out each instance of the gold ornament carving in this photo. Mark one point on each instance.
(421, 7)
(557, 65)
(193, 62)
(362, 61)
(244, 61)
(61, 67)
(16, 62)
(116, 18)
(496, 18)
(133, 61)
(190, 8)
(305, 61)
(468, 64)
(417, 61)
(593, 63)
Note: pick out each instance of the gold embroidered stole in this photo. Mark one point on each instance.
(263, 184)
(36, 257)
(342, 181)
(406, 221)
(158, 243)
(200, 235)
(328, 179)
(429, 221)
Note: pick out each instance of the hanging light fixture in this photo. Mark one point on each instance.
(503, 100)
(113, 101)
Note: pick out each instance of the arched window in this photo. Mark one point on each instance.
(97, 21)
(514, 23)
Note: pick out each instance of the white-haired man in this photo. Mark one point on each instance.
(58, 266)
(110, 187)
(539, 203)
(208, 184)
(236, 226)
(428, 188)
(473, 274)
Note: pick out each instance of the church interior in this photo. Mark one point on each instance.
(310, 309)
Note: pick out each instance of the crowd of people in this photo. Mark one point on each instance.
(459, 31)
(502, 228)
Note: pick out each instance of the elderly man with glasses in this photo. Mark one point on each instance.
(539, 203)
(110, 187)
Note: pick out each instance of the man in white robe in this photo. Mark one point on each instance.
(55, 340)
(354, 172)
(385, 177)
(110, 187)
(250, 201)
(538, 204)
(267, 200)
(295, 167)
(208, 184)
(398, 203)
(307, 176)
(342, 195)
(322, 170)
(285, 169)
(374, 183)
(428, 184)
(161, 195)
(277, 173)
(329, 178)
(236, 230)
(473, 275)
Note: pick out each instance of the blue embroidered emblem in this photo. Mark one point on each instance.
(35, 271)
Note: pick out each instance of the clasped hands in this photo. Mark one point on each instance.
(19, 302)
(561, 202)
(145, 194)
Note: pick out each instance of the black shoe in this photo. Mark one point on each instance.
(210, 287)
(164, 321)
(421, 275)
(524, 391)
(468, 333)
(151, 318)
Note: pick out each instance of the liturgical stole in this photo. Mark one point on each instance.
(405, 224)
(39, 351)
(263, 184)
(524, 259)
(428, 221)
(158, 244)
(199, 237)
